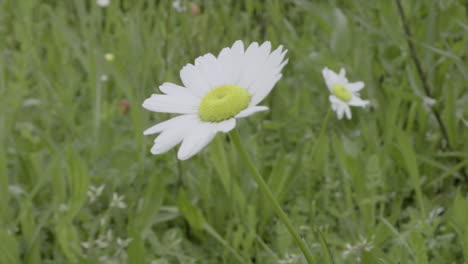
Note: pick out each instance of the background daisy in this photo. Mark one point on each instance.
(344, 93)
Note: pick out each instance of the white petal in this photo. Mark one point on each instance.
(334, 99)
(332, 78)
(263, 88)
(334, 106)
(355, 87)
(211, 71)
(347, 110)
(254, 62)
(167, 140)
(172, 123)
(181, 104)
(231, 61)
(193, 79)
(356, 101)
(198, 137)
(238, 47)
(176, 90)
(338, 106)
(340, 112)
(342, 73)
(224, 52)
(335, 103)
(250, 111)
(267, 78)
(226, 125)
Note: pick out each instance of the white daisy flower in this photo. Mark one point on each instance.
(429, 101)
(178, 6)
(217, 91)
(103, 3)
(344, 93)
(118, 201)
(104, 78)
(109, 57)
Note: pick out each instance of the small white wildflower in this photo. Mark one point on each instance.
(13, 230)
(356, 133)
(178, 6)
(94, 192)
(118, 201)
(103, 3)
(289, 259)
(465, 122)
(63, 207)
(109, 235)
(109, 57)
(104, 240)
(87, 244)
(429, 101)
(435, 212)
(348, 249)
(15, 190)
(124, 242)
(360, 247)
(31, 102)
(101, 243)
(344, 93)
(104, 78)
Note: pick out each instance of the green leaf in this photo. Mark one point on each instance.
(8, 248)
(191, 213)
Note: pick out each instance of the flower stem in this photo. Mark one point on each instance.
(267, 192)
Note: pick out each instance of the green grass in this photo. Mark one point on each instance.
(380, 188)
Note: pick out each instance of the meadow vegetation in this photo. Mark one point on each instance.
(78, 183)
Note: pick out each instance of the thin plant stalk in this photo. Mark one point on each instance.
(318, 234)
(234, 135)
(425, 83)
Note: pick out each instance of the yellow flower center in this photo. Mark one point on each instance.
(222, 103)
(341, 92)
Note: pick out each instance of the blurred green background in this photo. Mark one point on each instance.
(78, 183)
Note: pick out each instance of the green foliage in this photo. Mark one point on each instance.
(383, 187)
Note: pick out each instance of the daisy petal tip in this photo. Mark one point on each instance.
(146, 104)
(155, 150)
(238, 46)
(184, 156)
(152, 130)
(284, 52)
(342, 72)
(266, 44)
(325, 72)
